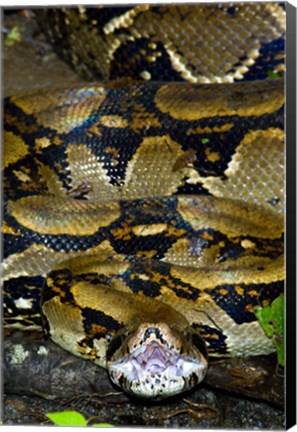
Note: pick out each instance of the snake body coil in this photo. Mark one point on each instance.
(151, 213)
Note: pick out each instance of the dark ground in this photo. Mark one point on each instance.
(31, 64)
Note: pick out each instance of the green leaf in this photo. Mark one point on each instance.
(271, 319)
(204, 140)
(272, 74)
(102, 425)
(67, 418)
(12, 37)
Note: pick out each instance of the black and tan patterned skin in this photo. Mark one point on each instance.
(164, 192)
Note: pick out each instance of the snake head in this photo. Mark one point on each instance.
(157, 361)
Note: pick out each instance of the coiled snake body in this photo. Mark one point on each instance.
(151, 213)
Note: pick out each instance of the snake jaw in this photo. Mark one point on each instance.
(155, 370)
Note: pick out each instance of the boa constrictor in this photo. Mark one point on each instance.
(150, 212)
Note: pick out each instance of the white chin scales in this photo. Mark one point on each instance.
(153, 371)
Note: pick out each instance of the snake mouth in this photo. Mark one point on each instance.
(152, 358)
(154, 371)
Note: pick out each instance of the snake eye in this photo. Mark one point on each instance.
(115, 344)
(199, 343)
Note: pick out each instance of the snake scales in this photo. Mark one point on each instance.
(150, 212)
